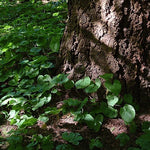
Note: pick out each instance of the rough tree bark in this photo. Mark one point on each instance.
(109, 36)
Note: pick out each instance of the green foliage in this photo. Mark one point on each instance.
(146, 126)
(41, 142)
(15, 142)
(144, 141)
(29, 43)
(123, 138)
(64, 147)
(83, 83)
(127, 113)
(95, 143)
(72, 138)
(114, 87)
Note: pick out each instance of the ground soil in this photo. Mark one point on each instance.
(109, 130)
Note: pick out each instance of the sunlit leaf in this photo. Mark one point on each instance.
(112, 100)
(107, 76)
(82, 83)
(115, 88)
(127, 113)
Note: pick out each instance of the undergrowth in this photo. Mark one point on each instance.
(30, 35)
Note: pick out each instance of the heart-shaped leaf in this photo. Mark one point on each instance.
(107, 76)
(115, 88)
(83, 83)
(108, 110)
(127, 113)
(112, 100)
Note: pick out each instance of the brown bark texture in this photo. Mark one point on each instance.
(109, 36)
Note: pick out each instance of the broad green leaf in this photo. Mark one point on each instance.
(88, 118)
(115, 88)
(55, 14)
(35, 49)
(108, 110)
(12, 114)
(82, 103)
(31, 72)
(73, 138)
(98, 122)
(47, 65)
(27, 121)
(98, 82)
(127, 113)
(123, 138)
(107, 76)
(52, 110)
(112, 100)
(60, 79)
(91, 88)
(41, 79)
(64, 147)
(43, 118)
(69, 84)
(83, 83)
(55, 43)
(144, 141)
(4, 78)
(72, 102)
(95, 143)
(146, 126)
(39, 104)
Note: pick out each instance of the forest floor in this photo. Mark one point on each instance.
(65, 123)
(32, 28)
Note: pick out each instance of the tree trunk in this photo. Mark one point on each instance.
(109, 36)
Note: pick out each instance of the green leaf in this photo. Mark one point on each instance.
(73, 138)
(115, 88)
(112, 100)
(55, 14)
(98, 122)
(95, 143)
(26, 121)
(31, 72)
(42, 79)
(4, 77)
(146, 126)
(72, 102)
(42, 101)
(98, 82)
(127, 113)
(43, 118)
(124, 138)
(83, 83)
(64, 147)
(107, 76)
(52, 110)
(108, 110)
(55, 43)
(60, 79)
(88, 118)
(69, 84)
(38, 105)
(144, 141)
(91, 88)
(35, 49)
(47, 65)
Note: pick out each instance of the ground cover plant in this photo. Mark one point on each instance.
(34, 99)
